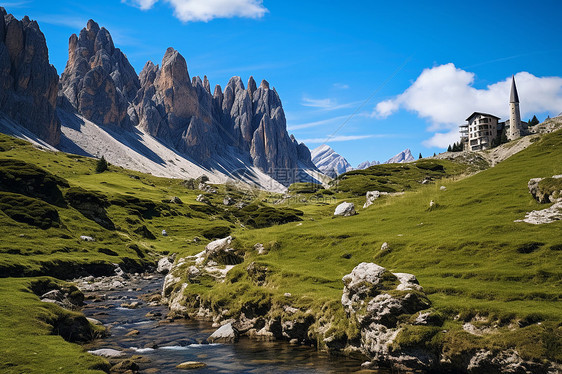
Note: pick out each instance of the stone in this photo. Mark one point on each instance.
(202, 199)
(176, 200)
(28, 82)
(164, 233)
(548, 215)
(384, 246)
(367, 300)
(224, 334)
(188, 365)
(125, 366)
(98, 81)
(94, 321)
(228, 200)
(218, 245)
(258, 247)
(431, 204)
(371, 197)
(164, 265)
(443, 188)
(107, 352)
(87, 238)
(345, 209)
(133, 333)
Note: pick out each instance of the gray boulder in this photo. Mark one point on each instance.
(224, 334)
(371, 197)
(345, 209)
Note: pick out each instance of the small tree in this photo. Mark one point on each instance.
(420, 156)
(449, 149)
(534, 121)
(101, 165)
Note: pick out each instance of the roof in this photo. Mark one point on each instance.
(483, 114)
(514, 97)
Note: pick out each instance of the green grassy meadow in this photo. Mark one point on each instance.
(466, 251)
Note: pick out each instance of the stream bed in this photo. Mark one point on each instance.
(163, 344)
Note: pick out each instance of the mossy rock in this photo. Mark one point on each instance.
(28, 210)
(27, 179)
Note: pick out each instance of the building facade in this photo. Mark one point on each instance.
(479, 132)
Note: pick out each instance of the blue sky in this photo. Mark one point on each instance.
(376, 76)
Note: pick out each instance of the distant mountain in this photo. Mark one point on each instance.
(401, 158)
(238, 133)
(329, 162)
(366, 164)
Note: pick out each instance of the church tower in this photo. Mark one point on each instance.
(514, 115)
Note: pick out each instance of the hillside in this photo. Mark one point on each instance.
(477, 266)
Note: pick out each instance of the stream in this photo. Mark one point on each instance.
(163, 344)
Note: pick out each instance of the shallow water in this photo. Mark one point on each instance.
(167, 345)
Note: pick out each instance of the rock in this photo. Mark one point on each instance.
(224, 334)
(164, 265)
(176, 200)
(133, 333)
(443, 188)
(191, 365)
(548, 215)
(164, 233)
(375, 299)
(125, 366)
(94, 321)
(287, 294)
(107, 352)
(219, 251)
(54, 295)
(28, 82)
(202, 199)
(228, 200)
(544, 197)
(87, 238)
(345, 209)
(260, 249)
(431, 204)
(384, 246)
(98, 81)
(371, 197)
(133, 305)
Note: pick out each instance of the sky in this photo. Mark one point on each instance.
(368, 78)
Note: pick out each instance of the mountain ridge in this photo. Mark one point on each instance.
(236, 131)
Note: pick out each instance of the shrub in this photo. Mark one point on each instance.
(101, 165)
(264, 216)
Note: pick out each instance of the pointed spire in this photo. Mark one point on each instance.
(514, 97)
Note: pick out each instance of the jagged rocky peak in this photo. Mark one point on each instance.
(98, 81)
(329, 162)
(28, 82)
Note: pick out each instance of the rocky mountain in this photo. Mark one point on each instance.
(247, 121)
(400, 158)
(98, 81)
(366, 164)
(232, 132)
(28, 82)
(329, 162)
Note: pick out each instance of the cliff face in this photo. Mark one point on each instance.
(98, 81)
(183, 113)
(28, 82)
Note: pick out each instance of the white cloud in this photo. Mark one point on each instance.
(206, 10)
(445, 96)
(338, 138)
